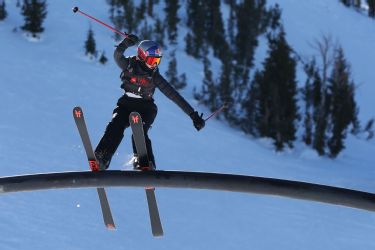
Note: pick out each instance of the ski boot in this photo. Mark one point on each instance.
(102, 162)
(136, 165)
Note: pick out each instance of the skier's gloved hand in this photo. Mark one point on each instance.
(130, 40)
(197, 120)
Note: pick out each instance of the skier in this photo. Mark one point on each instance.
(140, 76)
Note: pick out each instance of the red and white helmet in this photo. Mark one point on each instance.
(150, 53)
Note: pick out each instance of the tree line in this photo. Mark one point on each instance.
(265, 100)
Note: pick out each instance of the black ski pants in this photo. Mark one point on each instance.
(114, 131)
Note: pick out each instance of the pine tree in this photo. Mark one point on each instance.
(171, 9)
(150, 7)
(251, 106)
(145, 32)
(115, 15)
(369, 129)
(34, 12)
(90, 44)
(310, 70)
(178, 82)
(320, 115)
(182, 81)
(215, 26)
(231, 22)
(103, 59)
(249, 16)
(371, 8)
(343, 108)
(141, 11)
(196, 21)
(159, 31)
(278, 90)
(123, 15)
(225, 89)
(208, 93)
(3, 12)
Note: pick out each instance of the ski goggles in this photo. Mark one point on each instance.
(153, 61)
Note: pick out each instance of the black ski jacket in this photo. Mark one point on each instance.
(137, 68)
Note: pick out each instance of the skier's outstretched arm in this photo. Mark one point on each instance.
(173, 95)
(118, 55)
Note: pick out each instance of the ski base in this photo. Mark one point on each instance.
(94, 166)
(136, 124)
(156, 227)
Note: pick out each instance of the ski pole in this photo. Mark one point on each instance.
(76, 9)
(225, 105)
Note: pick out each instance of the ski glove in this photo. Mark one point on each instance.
(130, 40)
(197, 120)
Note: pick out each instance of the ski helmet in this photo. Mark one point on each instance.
(150, 53)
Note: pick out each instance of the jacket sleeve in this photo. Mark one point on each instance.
(172, 94)
(119, 57)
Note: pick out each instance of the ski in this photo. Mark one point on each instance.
(94, 166)
(136, 124)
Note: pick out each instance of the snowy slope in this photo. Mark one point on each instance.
(42, 81)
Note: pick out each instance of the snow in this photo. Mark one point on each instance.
(42, 81)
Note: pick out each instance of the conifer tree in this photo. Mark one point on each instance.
(150, 7)
(225, 89)
(145, 32)
(182, 81)
(196, 21)
(141, 11)
(129, 16)
(172, 74)
(90, 44)
(231, 21)
(115, 15)
(3, 12)
(103, 59)
(215, 26)
(171, 9)
(34, 12)
(310, 70)
(369, 129)
(249, 16)
(123, 15)
(208, 93)
(159, 31)
(343, 108)
(371, 8)
(278, 90)
(251, 106)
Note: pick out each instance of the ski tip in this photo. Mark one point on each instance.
(77, 112)
(111, 226)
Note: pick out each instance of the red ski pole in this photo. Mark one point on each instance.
(225, 105)
(76, 9)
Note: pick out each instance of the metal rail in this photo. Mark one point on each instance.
(194, 180)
